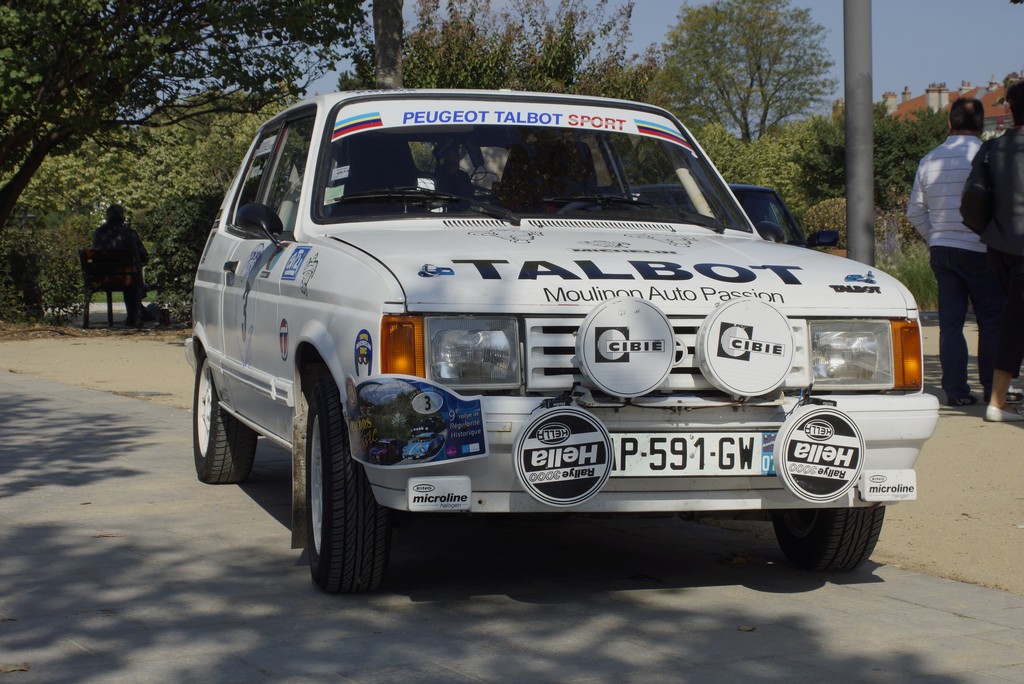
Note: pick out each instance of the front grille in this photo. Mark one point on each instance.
(551, 347)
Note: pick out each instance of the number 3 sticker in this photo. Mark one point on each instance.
(426, 402)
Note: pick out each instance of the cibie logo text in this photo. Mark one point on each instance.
(756, 346)
(614, 346)
(622, 346)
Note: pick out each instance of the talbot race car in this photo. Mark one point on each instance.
(562, 301)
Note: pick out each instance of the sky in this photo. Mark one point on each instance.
(914, 42)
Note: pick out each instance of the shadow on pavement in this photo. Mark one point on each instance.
(118, 566)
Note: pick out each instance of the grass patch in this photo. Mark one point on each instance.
(911, 267)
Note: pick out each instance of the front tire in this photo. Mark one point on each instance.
(349, 532)
(828, 539)
(223, 447)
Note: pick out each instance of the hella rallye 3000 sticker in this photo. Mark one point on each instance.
(563, 456)
(819, 454)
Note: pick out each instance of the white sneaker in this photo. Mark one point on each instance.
(997, 415)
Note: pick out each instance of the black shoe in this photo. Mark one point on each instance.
(969, 400)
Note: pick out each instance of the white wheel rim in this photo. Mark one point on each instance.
(204, 410)
(316, 488)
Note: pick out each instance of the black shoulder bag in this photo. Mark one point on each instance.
(977, 203)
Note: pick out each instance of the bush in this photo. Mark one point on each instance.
(176, 233)
(60, 277)
(828, 214)
(40, 275)
(899, 250)
(20, 299)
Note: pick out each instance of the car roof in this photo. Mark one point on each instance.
(330, 100)
(746, 187)
(503, 93)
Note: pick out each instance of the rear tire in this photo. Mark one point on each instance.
(223, 447)
(349, 532)
(828, 539)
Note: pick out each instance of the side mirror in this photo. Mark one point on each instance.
(770, 231)
(823, 238)
(259, 218)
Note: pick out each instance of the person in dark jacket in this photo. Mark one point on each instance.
(1004, 237)
(116, 234)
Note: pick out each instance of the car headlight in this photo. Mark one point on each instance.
(473, 352)
(866, 354)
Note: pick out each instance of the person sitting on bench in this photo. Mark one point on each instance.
(116, 234)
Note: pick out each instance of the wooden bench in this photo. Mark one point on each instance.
(109, 270)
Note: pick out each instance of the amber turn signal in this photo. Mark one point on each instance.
(906, 350)
(401, 345)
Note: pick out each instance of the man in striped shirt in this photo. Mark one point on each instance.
(957, 256)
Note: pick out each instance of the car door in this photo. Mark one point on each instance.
(258, 376)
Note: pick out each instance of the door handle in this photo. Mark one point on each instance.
(230, 266)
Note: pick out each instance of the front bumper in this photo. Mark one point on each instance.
(894, 429)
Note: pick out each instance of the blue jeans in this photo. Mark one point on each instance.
(965, 276)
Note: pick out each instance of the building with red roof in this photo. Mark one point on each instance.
(938, 97)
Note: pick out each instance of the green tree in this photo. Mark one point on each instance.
(142, 168)
(750, 64)
(728, 153)
(468, 45)
(899, 144)
(770, 160)
(823, 160)
(74, 70)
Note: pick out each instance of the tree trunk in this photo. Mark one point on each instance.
(388, 27)
(11, 190)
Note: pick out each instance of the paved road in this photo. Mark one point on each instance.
(117, 566)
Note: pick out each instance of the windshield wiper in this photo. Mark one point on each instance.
(494, 211)
(704, 221)
(603, 200)
(426, 195)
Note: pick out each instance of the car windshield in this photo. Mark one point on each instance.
(569, 161)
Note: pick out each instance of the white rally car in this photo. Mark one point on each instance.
(497, 302)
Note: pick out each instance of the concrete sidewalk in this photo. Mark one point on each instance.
(118, 566)
(98, 316)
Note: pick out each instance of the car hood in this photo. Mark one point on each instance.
(548, 266)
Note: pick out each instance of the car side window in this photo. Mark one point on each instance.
(285, 183)
(258, 165)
